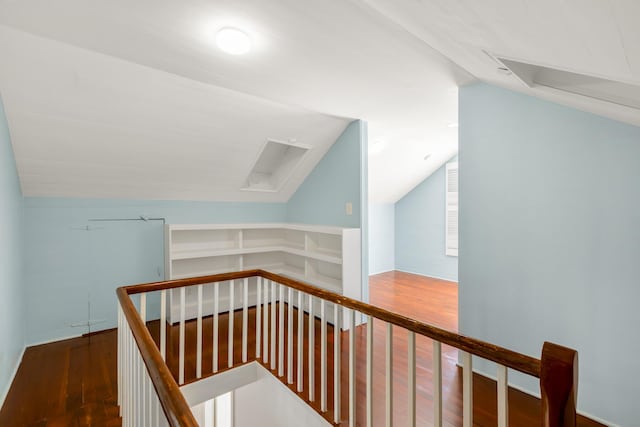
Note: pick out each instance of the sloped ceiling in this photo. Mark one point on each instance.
(598, 38)
(88, 125)
(155, 67)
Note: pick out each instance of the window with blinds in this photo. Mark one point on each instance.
(451, 214)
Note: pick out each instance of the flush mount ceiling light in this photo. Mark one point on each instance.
(233, 41)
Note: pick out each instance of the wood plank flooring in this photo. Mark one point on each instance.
(73, 382)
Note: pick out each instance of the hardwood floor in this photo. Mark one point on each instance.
(65, 383)
(73, 382)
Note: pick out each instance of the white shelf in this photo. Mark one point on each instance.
(199, 273)
(324, 256)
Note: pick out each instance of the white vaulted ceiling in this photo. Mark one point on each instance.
(132, 98)
(125, 99)
(599, 38)
(88, 125)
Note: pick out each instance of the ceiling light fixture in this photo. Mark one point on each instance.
(233, 41)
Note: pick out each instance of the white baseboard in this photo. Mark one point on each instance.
(380, 272)
(537, 396)
(52, 340)
(5, 392)
(428, 275)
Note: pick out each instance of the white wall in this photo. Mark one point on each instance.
(381, 238)
(550, 239)
(268, 403)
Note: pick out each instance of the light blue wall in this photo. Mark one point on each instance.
(381, 237)
(336, 180)
(12, 331)
(420, 230)
(71, 271)
(340, 177)
(550, 238)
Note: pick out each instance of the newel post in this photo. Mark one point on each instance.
(558, 385)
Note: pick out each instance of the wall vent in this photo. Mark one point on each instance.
(274, 165)
(616, 92)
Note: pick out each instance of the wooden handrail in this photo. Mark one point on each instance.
(514, 360)
(173, 403)
(557, 369)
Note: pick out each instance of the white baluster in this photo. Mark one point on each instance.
(120, 359)
(503, 396)
(336, 363)
(143, 307)
(139, 389)
(312, 383)
(389, 375)
(232, 306)
(323, 357)
(300, 341)
(245, 320)
(150, 391)
(352, 369)
(273, 325)
(281, 332)
(412, 379)
(216, 321)
(182, 336)
(265, 323)
(163, 324)
(199, 334)
(258, 316)
(369, 404)
(467, 389)
(437, 383)
(290, 336)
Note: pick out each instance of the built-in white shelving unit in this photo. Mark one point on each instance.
(324, 256)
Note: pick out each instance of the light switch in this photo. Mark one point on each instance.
(349, 208)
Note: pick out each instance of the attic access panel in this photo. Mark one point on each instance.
(274, 165)
(580, 84)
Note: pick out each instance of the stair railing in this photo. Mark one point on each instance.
(277, 321)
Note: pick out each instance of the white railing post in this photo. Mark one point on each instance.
(281, 332)
(199, 335)
(412, 379)
(245, 320)
(323, 357)
(503, 396)
(265, 323)
(437, 383)
(389, 376)
(312, 383)
(369, 379)
(273, 326)
(216, 324)
(467, 389)
(163, 324)
(352, 369)
(336, 363)
(182, 337)
(258, 316)
(232, 306)
(300, 378)
(290, 336)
